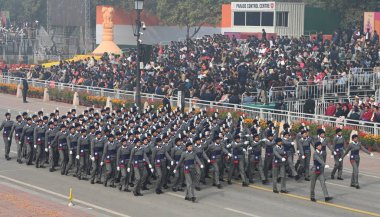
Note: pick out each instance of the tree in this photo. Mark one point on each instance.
(189, 13)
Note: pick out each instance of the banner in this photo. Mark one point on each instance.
(369, 21)
(253, 6)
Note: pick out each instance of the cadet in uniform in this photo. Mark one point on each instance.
(289, 149)
(61, 141)
(83, 148)
(318, 173)
(338, 144)
(159, 157)
(200, 152)
(39, 143)
(122, 159)
(72, 143)
(268, 145)
(215, 151)
(97, 146)
(27, 139)
(189, 158)
(354, 147)
(254, 158)
(304, 149)
(50, 145)
(109, 158)
(278, 167)
(176, 153)
(238, 153)
(7, 125)
(17, 130)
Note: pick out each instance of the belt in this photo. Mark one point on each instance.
(62, 141)
(269, 149)
(98, 149)
(215, 153)
(339, 146)
(160, 157)
(177, 157)
(306, 148)
(111, 152)
(188, 162)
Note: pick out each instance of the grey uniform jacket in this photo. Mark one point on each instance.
(7, 126)
(355, 148)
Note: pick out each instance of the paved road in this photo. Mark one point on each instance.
(232, 200)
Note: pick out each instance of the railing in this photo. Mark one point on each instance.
(262, 113)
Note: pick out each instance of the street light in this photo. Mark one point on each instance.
(139, 4)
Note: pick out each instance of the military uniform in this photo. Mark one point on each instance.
(289, 149)
(278, 168)
(17, 130)
(318, 173)
(7, 136)
(238, 153)
(159, 159)
(338, 146)
(304, 149)
(122, 158)
(200, 152)
(27, 137)
(255, 160)
(72, 145)
(109, 158)
(39, 145)
(97, 147)
(216, 152)
(138, 159)
(61, 141)
(268, 145)
(354, 148)
(83, 148)
(51, 147)
(176, 153)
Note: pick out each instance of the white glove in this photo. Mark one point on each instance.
(46, 150)
(19, 142)
(9, 138)
(246, 135)
(228, 146)
(250, 148)
(93, 158)
(77, 157)
(172, 163)
(128, 170)
(150, 166)
(35, 146)
(244, 150)
(246, 142)
(118, 168)
(327, 166)
(331, 156)
(225, 138)
(283, 159)
(340, 159)
(208, 161)
(174, 171)
(202, 166)
(71, 152)
(101, 163)
(335, 153)
(293, 143)
(229, 155)
(371, 154)
(168, 167)
(298, 151)
(303, 156)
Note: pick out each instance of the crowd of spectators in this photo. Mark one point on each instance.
(226, 69)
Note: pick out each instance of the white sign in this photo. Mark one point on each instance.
(253, 6)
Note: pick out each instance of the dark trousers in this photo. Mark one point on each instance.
(24, 94)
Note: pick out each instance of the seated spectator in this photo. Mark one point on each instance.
(247, 99)
(339, 110)
(367, 114)
(330, 111)
(354, 114)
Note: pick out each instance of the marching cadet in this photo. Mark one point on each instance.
(318, 173)
(354, 147)
(268, 145)
(7, 125)
(189, 158)
(200, 152)
(289, 149)
(176, 153)
(97, 147)
(122, 159)
(61, 140)
(148, 151)
(83, 147)
(39, 143)
(72, 143)
(215, 151)
(304, 149)
(159, 158)
(321, 137)
(17, 130)
(109, 158)
(278, 170)
(338, 144)
(27, 139)
(50, 146)
(254, 158)
(138, 159)
(238, 153)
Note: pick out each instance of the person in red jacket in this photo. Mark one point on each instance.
(330, 111)
(367, 114)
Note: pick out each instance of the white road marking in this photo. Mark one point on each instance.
(175, 195)
(241, 212)
(344, 186)
(64, 196)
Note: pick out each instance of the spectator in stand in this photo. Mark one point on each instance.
(354, 113)
(339, 111)
(330, 111)
(376, 115)
(367, 114)
(309, 106)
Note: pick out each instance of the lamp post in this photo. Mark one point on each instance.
(139, 4)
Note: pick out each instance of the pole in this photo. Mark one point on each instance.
(138, 70)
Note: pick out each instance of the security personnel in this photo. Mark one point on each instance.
(7, 125)
(72, 143)
(238, 153)
(289, 149)
(27, 139)
(318, 172)
(138, 159)
(39, 143)
(215, 151)
(354, 147)
(254, 158)
(304, 149)
(278, 167)
(175, 154)
(17, 130)
(109, 158)
(269, 143)
(97, 147)
(200, 152)
(159, 158)
(61, 140)
(122, 159)
(83, 148)
(50, 146)
(189, 158)
(338, 146)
